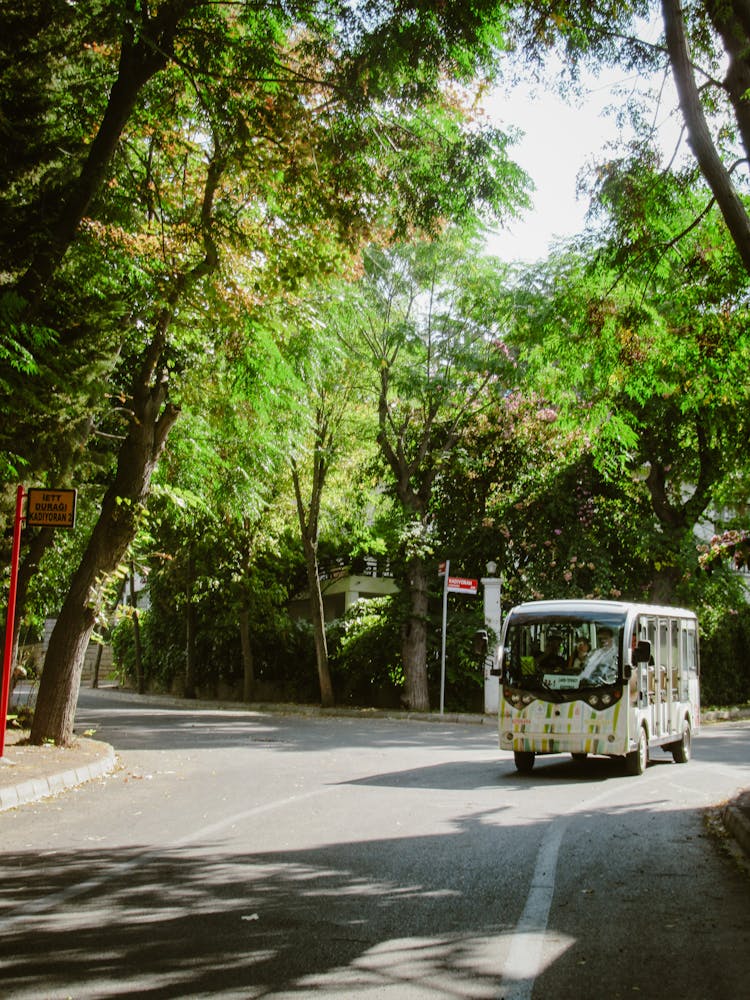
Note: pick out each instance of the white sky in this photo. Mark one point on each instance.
(561, 137)
(559, 140)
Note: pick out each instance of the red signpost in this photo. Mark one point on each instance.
(451, 585)
(462, 585)
(47, 507)
(9, 625)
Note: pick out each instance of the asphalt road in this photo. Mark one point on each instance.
(262, 856)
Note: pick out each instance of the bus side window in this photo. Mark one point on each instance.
(693, 633)
(689, 657)
(674, 628)
(652, 636)
(690, 647)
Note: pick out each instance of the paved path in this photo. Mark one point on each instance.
(29, 773)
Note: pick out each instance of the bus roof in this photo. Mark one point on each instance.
(592, 607)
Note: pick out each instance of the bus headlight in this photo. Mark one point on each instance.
(603, 699)
(518, 699)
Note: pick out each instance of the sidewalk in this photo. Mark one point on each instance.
(29, 773)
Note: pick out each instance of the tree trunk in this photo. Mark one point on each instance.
(676, 513)
(664, 585)
(191, 657)
(414, 481)
(248, 663)
(414, 638)
(732, 22)
(153, 417)
(309, 530)
(97, 666)
(319, 626)
(140, 59)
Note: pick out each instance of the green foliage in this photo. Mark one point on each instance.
(636, 347)
(56, 65)
(169, 172)
(365, 654)
(214, 564)
(573, 534)
(282, 650)
(365, 647)
(464, 674)
(573, 422)
(725, 641)
(123, 649)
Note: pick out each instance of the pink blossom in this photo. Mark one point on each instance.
(548, 415)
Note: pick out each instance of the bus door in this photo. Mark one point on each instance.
(651, 705)
(662, 681)
(675, 723)
(643, 692)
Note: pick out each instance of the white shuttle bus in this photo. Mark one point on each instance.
(598, 677)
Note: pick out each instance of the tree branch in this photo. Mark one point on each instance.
(699, 136)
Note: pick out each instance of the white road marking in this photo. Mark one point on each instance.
(525, 959)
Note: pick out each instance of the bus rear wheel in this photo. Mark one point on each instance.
(637, 761)
(524, 760)
(681, 749)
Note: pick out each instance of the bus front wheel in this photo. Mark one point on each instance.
(637, 761)
(524, 760)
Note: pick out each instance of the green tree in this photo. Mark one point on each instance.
(151, 416)
(706, 49)
(641, 345)
(525, 493)
(330, 384)
(427, 324)
(312, 119)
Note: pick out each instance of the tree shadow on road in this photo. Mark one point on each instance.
(434, 913)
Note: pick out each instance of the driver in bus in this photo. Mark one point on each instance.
(552, 662)
(601, 666)
(580, 654)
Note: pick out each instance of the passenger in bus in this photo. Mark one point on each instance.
(552, 661)
(580, 655)
(601, 667)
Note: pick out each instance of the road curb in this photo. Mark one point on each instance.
(735, 816)
(35, 789)
(305, 710)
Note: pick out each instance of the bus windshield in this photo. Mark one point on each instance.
(562, 653)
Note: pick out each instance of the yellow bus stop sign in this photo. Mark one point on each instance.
(51, 508)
